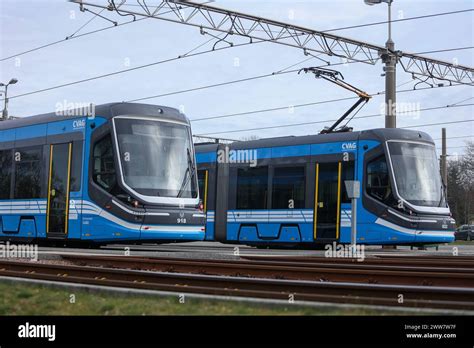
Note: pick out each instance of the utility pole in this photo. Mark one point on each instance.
(444, 166)
(5, 107)
(389, 58)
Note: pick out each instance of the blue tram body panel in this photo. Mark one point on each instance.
(377, 223)
(210, 157)
(89, 213)
(210, 236)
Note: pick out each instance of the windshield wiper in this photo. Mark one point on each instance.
(189, 174)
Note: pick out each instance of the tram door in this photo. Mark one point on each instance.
(203, 179)
(58, 190)
(327, 201)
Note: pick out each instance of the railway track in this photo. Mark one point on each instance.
(300, 290)
(321, 269)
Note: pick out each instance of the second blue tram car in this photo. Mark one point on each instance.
(125, 173)
(291, 191)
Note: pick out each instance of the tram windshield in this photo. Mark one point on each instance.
(157, 157)
(417, 173)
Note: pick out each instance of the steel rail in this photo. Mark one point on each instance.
(371, 273)
(453, 262)
(246, 253)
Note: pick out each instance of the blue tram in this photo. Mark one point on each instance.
(124, 173)
(290, 191)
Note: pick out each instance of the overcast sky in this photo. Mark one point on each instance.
(26, 24)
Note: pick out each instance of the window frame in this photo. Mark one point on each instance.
(93, 158)
(77, 165)
(346, 165)
(367, 184)
(395, 193)
(272, 176)
(145, 198)
(267, 197)
(40, 163)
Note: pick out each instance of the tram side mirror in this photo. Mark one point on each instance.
(352, 188)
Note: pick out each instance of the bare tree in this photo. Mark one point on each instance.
(461, 186)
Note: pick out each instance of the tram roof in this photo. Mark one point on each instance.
(105, 110)
(380, 134)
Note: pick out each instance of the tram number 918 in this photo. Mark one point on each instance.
(181, 220)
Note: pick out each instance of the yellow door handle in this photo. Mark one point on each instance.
(320, 204)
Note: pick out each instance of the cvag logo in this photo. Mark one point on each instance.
(79, 124)
(349, 146)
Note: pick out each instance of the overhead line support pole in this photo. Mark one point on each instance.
(390, 60)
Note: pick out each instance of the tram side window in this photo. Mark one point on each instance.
(5, 173)
(201, 182)
(104, 165)
(252, 188)
(28, 172)
(288, 188)
(76, 166)
(378, 181)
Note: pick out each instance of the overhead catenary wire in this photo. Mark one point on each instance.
(86, 24)
(457, 137)
(279, 108)
(308, 104)
(186, 55)
(282, 71)
(454, 147)
(169, 60)
(241, 80)
(235, 140)
(301, 62)
(221, 20)
(400, 20)
(247, 79)
(360, 117)
(363, 25)
(462, 101)
(448, 50)
(80, 81)
(73, 36)
(439, 123)
(69, 38)
(231, 82)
